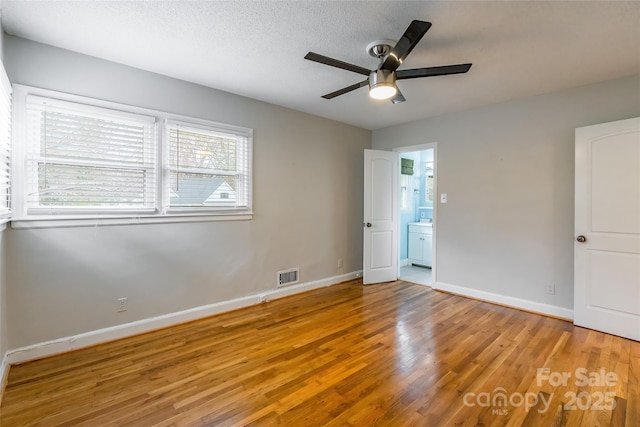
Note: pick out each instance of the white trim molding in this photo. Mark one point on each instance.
(70, 222)
(62, 345)
(522, 304)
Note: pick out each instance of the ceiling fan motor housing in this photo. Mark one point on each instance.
(382, 84)
(382, 78)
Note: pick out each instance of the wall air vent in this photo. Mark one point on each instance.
(288, 277)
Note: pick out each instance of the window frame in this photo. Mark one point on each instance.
(160, 214)
(6, 148)
(204, 127)
(406, 193)
(148, 165)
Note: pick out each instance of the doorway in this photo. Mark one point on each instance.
(417, 213)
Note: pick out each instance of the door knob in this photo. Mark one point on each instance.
(581, 239)
(368, 224)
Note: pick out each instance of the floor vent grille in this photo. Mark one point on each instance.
(288, 277)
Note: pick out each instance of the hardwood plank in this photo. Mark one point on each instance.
(347, 355)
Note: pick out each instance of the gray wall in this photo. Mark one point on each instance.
(3, 266)
(508, 170)
(3, 295)
(307, 201)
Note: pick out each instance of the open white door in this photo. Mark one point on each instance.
(380, 216)
(607, 221)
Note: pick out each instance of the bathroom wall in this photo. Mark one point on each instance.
(418, 207)
(425, 208)
(410, 214)
(3, 274)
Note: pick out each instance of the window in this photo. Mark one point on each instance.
(83, 159)
(428, 178)
(5, 145)
(406, 184)
(207, 168)
(79, 158)
(406, 189)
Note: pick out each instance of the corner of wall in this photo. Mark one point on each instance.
(4, 365)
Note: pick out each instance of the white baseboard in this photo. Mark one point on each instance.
(404, 262)
(61, 345)
(535, 307)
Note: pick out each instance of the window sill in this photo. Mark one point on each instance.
(69, 221)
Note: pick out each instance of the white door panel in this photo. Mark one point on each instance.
(382, 191)
(607, 214)
(415, 246)
(380, 253)
(615, 176)
(613, 276)
(380, 239)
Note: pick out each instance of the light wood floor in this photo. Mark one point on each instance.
(391, 354)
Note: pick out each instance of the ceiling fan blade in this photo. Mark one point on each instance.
(432, 71)
(336, 63)
(409, 40)
(398, 98)
(346, 89)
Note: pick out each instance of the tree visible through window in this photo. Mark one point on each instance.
(88, 158)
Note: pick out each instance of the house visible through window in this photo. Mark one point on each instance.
(85, 158)
(207, 168)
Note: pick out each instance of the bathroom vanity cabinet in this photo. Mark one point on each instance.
(420, 244)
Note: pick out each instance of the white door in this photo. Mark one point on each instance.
(380, 216)
(607, 221)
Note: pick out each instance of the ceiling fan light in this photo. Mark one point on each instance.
(382, 91)
(382, 84)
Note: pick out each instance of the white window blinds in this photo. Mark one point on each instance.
(5, 144)
(76, 158)
(84, 158)
(207, 168)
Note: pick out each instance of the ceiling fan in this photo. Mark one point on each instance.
(382, 80)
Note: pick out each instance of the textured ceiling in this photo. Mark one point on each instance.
(256, 48)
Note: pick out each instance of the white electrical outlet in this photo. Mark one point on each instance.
(443, 198)
(122, 304)
(551, 289)
(339, 262)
